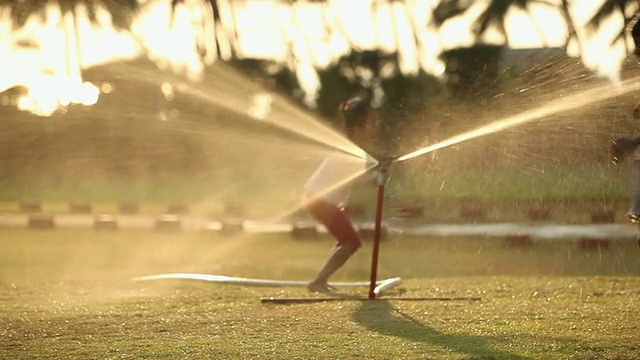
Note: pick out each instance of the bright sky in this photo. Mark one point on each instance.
(317, 34)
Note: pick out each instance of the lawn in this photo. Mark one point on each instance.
(68, 295)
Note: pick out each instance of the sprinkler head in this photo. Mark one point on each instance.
(384, 162)
(383, 168)
(383, 176)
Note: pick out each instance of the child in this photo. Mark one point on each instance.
(620, 148)
(359, 121)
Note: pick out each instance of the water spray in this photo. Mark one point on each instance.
(596, 94)
(376, 288)
(575, 101)
(382, 167)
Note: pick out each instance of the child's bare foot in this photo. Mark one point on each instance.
(320, 287)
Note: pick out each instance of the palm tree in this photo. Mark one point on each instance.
(219, 36)
(572, 33)
(21, 11)
(610, 8)
(448, 9)
(635, 33)
(120, 10)
(493, 15)
(417, 43)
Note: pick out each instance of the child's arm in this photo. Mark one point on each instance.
(622, 146)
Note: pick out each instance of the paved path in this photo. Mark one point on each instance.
(537, 231)
(194, 223)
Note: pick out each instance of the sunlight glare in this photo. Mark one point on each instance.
(356, 169)
(260, 106)
(46, 58)
(304, 37)
(533, 34)
(172, 44)
(455, 32)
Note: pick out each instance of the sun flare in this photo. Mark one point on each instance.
(49, 53)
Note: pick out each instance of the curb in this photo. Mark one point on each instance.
(589, 237)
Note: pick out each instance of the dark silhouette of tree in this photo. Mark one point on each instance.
(448, 9)
(120, 10)
(572, 34)
(472, 73)
(635, 33)
(222, 27)
(495, 15)
(497, 10)
(492, 16)
(472, 69)
(610, 8)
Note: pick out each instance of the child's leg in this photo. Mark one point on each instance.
(347, 241)
(338, 256)
(633, 215)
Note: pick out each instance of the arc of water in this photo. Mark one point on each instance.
(578, 100)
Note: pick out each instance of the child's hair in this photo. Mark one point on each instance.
(355, 111)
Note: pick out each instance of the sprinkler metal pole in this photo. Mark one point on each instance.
(381, 181)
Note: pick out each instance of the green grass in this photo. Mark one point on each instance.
(67, 295)
(577, 181)
(505, 194)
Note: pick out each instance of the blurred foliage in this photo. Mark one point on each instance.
(120, 10)
(494, 14)
(473, 76)
(122, 136)
(473, 73)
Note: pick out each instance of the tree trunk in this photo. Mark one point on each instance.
(572, 33)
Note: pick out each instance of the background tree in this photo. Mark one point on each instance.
(473, 72)
(120, 10)
(468, 79)
(218, 25)
(611, 8)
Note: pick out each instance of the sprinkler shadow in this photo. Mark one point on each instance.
(380, 316)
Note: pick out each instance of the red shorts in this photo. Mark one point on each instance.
(336, 222)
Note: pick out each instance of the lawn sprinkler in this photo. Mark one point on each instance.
(382, 177)
(376, 288)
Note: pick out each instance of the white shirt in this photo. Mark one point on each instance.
(330, 181)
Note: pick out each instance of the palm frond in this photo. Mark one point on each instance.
(448, 9)
(120, 10)
(608, 8)
(497, 11)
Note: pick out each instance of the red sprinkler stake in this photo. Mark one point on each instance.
(381, 180)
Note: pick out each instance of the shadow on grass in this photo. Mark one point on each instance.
(381, 317)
